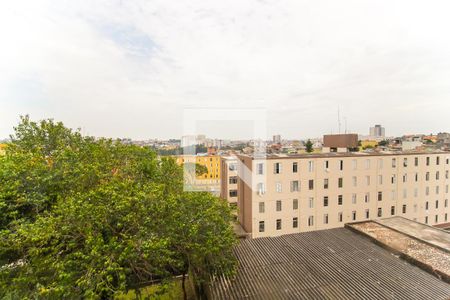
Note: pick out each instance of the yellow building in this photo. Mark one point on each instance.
(211, 162)
(368, 144)
(2, 149)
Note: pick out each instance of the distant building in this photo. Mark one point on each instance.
(276, 139)
(228, 187)
(411, 145)
(377, 131)
(340, 142)
(210, 181)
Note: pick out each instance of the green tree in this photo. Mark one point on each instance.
(309, 146)
(88, 218)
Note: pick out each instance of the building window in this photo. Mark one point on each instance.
(367, 164)
(368, 180)
(340, 182)
(325, 201)
(428, 161)
(232, 167)
(416, 161)
(367, 197)
(405, 162)
(438, 160)
(340, 216)
(278, 224)
(427, 176)
(367, 214)
(426, 220)
(311, 221)
(405, 193)
(355, 164)
(394, 163)
(295, 204)
(446, 203)
(353, 198)
(393, 195)
(380, 212)
(310, 166)
(277, 168)
(311, 184)
(262, 207)
(233, 193)
(445, 217)
(437, 175)
(380, 179)
(340, 199)
(427, 191)
(417, 177)
(437, 203)
(278, 187)
(311, 202)
(416, 192)
(325, 219)
(436, 219)
(437, 190)
(260, 168)
(355, 181)
(393, 177)
(380, 163)
(405, 177)
(261, 226)
(380, 196)
(326, 165)
(325, 183)
(261, 188)
(278, 205)
(354, 215)
(233, 180)
(341, 165)
(426, 205)
(392, 210)
(404, 208)
(294, 186)
(295, 222)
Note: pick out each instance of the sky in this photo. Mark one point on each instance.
(131, 68)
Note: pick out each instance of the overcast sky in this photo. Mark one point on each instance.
(130, 68)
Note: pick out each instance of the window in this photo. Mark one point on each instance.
(405, 193)
(340, 182)
(380, 163)
(277, 168)
(261, 188)
(326, 165)
(380, 179)
(325, 219)
(367, 197)
(367, 164)
(233, 180)
(278, 224)
(354, 215)
(340, 216)
(394, 163)
(295, 222)
(393, 195)
(340, 199)
(393, 178)
(427, 191)
(416, 192)
(404, 208)
(416, 177)
(341, 165)
(295, 204)
(380, 196)
(446, 174)
(261, 226)
(392, 210)
(367, 214)
(437, 190)
(405, 162)
(427, 176)
(445, 217)
(262, 207)
(294, 186)
(310, 166)
(436, 218)
(311, 184)
(325, 183)
(437, 203)
(368, 180)
(438, 160)
(426, 220)
(380, 212)
(355, 181)
(325, 201)
(446, 203)
(416, 161)
(232, 167)
(233, 193)
(428, 161)
(260, 168)
(278, 204)
(294, 167)
(311, 221)
(437, 175)
(311, 202)
(354, 164)
(353, 198)
(278, 187)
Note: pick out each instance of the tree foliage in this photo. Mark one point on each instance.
(84, 217)
(309, 146)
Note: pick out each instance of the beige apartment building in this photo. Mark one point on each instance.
(229, 183)
(304, 192)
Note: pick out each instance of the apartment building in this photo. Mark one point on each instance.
(283, 194)
(229, 183)
(209, 181)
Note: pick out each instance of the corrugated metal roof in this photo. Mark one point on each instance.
(328, 264)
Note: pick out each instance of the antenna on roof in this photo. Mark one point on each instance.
(345, 122)
(339, 121)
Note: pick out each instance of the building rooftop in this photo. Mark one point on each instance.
(328, 264)
(342, 154)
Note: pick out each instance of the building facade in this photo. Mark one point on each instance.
(297, 193)
(377, 131)
(229, 182)
(209, 181)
